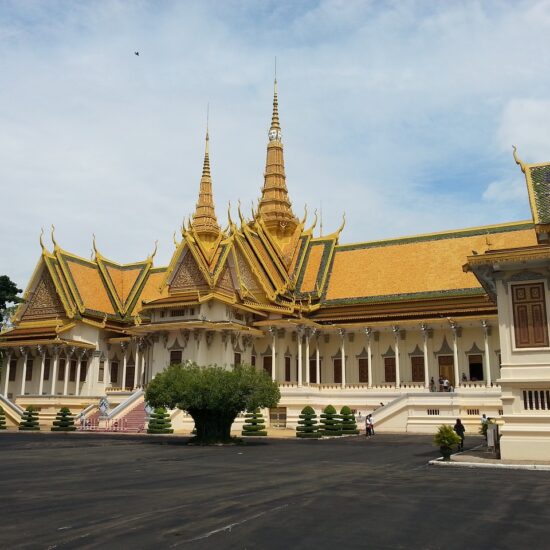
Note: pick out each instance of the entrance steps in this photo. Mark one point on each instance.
(128, 416)
(12, 411)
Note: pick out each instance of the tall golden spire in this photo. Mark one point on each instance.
(275, 207)
(204, 221)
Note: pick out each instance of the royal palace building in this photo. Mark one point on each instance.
(343, 324)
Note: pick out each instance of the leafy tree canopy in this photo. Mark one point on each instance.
(8, 292)
(213, 396)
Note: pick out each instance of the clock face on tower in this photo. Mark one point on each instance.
(274, 134)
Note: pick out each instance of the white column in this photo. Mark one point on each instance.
(53, 372)
(300, 335)
(368, 332)
(455, 330)
(317, 360)
(424, 329)
(42, 351)
(24, 373)
(78, 368)
(397, 366)
(273, 331)
(487, 362)
(7, 358)
(66, 377)
(308, 377)
(124, 361)
(136, 369)
(343, 356)
(107, 371)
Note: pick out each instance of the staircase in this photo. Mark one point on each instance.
(12, 411)
(135, 419)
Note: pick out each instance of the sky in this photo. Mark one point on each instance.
(402, 114)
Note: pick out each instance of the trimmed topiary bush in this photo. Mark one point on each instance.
(254, 424)
(349, 426)
(64, 421)
(307, 425)
(159, 422)
(29, 420)
(2, 419)
(330, 423)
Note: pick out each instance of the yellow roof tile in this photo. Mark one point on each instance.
(417, 264)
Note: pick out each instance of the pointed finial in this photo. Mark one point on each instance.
(42, 240)
(229, 213)
(154, 253)
(517, 159)
(94, 245)
(314, 221)
(305, 214)
(176, 244)
(340, 229)
(53, 237)
(241, 217)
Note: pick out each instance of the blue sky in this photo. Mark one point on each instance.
(402, 114)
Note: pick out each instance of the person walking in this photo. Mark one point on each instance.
(460, 429)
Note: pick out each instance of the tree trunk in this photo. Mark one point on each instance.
(213, 426)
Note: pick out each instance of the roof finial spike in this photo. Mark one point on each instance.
(42, 245)
(517, 159)
(241, 217)
(94, 245)
(154, 253)
(56, 246)
(176, 244)
(321, 219)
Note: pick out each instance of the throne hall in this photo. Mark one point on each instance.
(364, 324)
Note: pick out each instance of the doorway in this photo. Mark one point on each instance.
(446, 368)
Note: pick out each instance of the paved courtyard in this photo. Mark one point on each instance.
(98, 491)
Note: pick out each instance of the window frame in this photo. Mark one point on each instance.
(513, 343)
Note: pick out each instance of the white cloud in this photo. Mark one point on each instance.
(400, 114)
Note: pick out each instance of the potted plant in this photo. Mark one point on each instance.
(446, 439)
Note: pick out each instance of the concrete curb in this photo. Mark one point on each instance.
(440, 462)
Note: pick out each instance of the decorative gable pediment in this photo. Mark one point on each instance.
(188, 276)
(44, 301)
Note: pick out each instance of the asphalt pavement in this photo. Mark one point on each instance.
(101, 491)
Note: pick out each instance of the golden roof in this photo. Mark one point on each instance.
(417, 266)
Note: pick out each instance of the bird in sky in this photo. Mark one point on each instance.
(136, 53)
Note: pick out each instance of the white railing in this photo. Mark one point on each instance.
(120, 408)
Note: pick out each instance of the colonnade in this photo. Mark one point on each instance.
(308, 336)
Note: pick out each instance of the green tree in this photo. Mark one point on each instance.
(29, 420)
(159, 422)
(330, 423)
(2, 419)
(254, 424)
(307, 425)
(8, 295)
(213, 396)
(64, 421)
(349, 426)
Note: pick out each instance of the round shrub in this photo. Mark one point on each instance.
(349, 426)
(29, 420)
(64, 421)
(159, 422)
(254, 424)
(2, 419)
(307, 425)
(330, 422)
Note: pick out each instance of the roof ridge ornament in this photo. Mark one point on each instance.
(56, 246)
(517, 159)
(41, 239)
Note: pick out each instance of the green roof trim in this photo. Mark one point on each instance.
(478, 291)
(540, 176)
(519, 226)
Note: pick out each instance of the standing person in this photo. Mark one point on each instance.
(460, 429)
(371, 425)
(446, 384)
(432, 384)
(367, 426)
(440, 383)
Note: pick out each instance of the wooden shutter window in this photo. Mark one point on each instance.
(529, 310)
